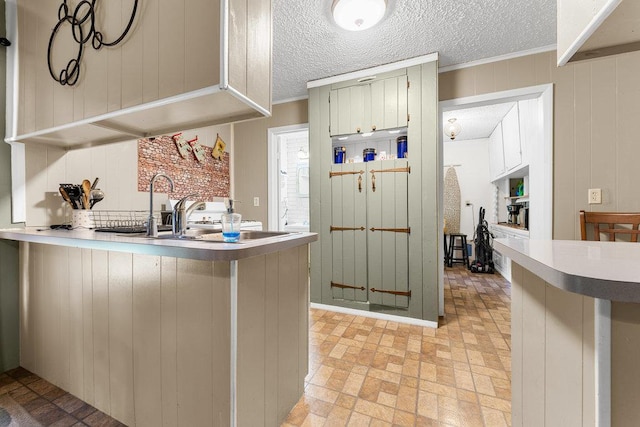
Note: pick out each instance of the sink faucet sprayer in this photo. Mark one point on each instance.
(181, 215)
(152, 225)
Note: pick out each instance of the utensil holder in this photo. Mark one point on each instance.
(82, 218)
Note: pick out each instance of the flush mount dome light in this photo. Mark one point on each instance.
(452, 129)
(358, 15)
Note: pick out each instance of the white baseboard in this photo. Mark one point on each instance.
(381, 316)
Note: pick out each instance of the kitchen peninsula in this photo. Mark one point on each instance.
(167, 332)
(575, 332)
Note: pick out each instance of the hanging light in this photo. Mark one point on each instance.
(452, 128)
(358, 15)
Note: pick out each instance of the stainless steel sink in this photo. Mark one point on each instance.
(216, 236)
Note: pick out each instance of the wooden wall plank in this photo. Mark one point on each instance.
(337, 219)
(88, 394)
(76, 322)
(238, 72)
(288, 368)
(563, 375)
(132, 61)
(195, 348)
(221, 339)
(121, 375)
(252, 341)
(151, 51)
(271, 338)
(100, 274)
(375, 240)
(169, 344)
(533, 351)
(171, 57)
(112, 25)
(27, 298)
(517, 402)
(202, 43)
(259, 51)
(147, 340)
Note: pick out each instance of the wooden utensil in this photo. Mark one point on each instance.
(66, 197)
(86, 192)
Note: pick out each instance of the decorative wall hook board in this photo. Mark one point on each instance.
(82, 22)
(183, 146)
(198, 150)
(218, 148)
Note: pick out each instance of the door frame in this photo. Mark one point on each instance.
(273, 179)
(544, 157)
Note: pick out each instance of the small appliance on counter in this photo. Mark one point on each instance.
(513, 210)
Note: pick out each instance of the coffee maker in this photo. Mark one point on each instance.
(513, 210)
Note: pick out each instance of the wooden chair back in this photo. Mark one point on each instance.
(611, 224)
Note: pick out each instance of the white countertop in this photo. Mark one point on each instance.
(193, 249)
(607, 270)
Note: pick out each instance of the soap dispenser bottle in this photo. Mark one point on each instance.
(231, 223)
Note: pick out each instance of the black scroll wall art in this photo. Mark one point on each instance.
(82, 22)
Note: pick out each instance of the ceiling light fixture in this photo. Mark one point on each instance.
(452, 128)
(358, 15)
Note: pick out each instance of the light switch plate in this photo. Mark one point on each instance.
(595, 196)
(256, 201)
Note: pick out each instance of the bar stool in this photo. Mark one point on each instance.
(446, 250)
(461, 239)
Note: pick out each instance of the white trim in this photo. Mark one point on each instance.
(242, 97)
(284, 101)
(602, 362)
(233, 392)
(588, 31)
(369, 71)
(513, 55)
(224, 44)
(273, 181)
(375, 315)
(18, 183)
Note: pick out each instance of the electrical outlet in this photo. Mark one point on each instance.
(256, 201)
(595, 196)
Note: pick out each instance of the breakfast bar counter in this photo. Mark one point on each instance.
(575, 332)
(167, 332)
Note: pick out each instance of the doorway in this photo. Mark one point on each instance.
(540, 169)
(288, 178)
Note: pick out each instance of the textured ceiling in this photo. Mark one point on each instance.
(307, 45)
(477, 122)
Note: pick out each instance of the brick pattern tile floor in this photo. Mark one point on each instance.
(368, 372)
(50, 405)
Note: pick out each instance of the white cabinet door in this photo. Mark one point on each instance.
(528, 115)
(350, 110)
(511, 139)
(496, 153)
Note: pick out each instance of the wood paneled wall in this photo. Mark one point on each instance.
(596, 103)
(146, 338)
(173, 47)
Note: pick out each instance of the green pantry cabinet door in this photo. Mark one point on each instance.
(369, 235)
(349, 235)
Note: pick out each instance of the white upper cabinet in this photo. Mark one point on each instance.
(594, 28)
(183, 64)
(496, 153)
(368, 106)
(529, 128)
(511, 139)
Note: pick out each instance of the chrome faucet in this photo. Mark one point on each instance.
(181, 214)
(152, 225)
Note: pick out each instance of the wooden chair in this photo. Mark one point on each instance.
(610, 220)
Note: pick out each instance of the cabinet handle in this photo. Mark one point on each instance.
(395, 230)
(360, 183)
(373, 128)
(399, 293)
(332, 228)
(373, 182)
(332, 174)
(358, 130)
(340, 285)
